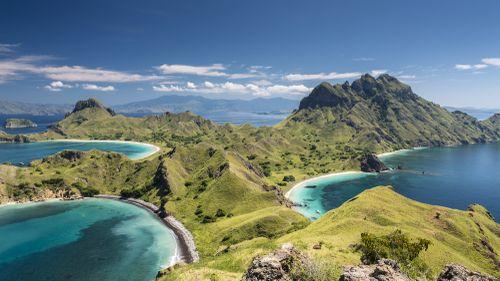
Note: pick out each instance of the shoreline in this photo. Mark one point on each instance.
(289, 193)
(185, 249)
(155, 148)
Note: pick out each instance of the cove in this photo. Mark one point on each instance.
(90, 239)
(448, 176)
(26, 152)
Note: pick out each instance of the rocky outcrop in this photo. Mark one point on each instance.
(71, 155)
(370, 163)
(455, 272)
(13, 139)
(276, 266)
(384, 270)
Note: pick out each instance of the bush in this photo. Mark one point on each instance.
(207, 219)
(289, 178)
(396, 246)
(220, 213)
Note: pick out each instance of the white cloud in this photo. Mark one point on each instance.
(208, 84)
(377, 72)
(214, 70)
(235, 88)
(56, 86)
(290, 90)
(190, 85)
(491, 61)
(168, 88)
(82, 74)
(321, 76)
(471, 66)
(92, 87)
(463, 66)
(13, 68)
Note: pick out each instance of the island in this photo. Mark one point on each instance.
(17, 123)
(227, 183)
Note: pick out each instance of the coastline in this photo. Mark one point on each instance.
(154, 148)
(301, 184)
(186, 248)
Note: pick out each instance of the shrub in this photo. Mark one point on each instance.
(220, 213)
(289, 178)
(396, 246)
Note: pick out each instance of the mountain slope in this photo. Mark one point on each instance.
(383, 114)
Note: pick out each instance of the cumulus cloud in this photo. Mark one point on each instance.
(92, 87)
(321, 76)
(57, 86)
(491, 61)
(235, 88)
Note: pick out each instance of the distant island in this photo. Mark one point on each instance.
(17, 123)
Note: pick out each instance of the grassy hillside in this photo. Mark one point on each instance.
(467, 237)
(226, 182)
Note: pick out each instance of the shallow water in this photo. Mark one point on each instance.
(26, 152)
(92, 239)
(453, 177)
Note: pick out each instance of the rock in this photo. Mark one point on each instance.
(317, 246)
(384, 270)
(370, 163)
(456, 272)
(276, 266)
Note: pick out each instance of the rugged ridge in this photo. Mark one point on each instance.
(383, 114)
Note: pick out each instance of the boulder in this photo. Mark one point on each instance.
(384, 270)
(456, 272)
(370, 163)
(276, 266)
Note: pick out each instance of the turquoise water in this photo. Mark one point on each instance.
(453, 176)
(26, 152)
(91, 239)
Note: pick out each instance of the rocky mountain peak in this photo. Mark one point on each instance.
(91, 103)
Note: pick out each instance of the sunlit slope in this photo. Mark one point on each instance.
(470, 237)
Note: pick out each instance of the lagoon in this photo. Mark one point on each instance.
(449, 176)
(26, 152)
(91, 239)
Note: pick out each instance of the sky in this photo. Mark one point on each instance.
(124, 51)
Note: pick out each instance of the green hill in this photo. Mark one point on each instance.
(383, 114)
(226, 182)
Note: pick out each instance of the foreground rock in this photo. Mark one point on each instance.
(370, 163)
(384, 270)
(276, 266)
(455, 272)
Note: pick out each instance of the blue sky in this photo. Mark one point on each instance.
(121, 51)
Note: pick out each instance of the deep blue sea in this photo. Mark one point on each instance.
(91, 239)
(448, 176)
(24, 153)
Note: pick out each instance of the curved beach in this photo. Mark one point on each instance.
(186, 247)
